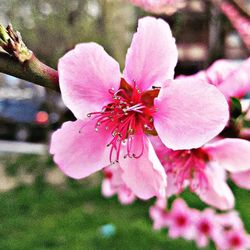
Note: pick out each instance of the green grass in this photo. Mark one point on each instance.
(69, 217)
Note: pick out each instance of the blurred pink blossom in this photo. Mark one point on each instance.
(180, 220)
(206, 227)
(113, 184)
(159, 216)
(225, 230)
(159, 6)
(242, 179)
(230, 220)
(115, 115)
(203, 169)
(234, 240)
(232, 78)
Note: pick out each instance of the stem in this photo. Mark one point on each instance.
(31, 70)
(241, 8)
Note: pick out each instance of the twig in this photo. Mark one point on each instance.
(17, 60)
(31, 70)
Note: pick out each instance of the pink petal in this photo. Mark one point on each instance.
(217, 73)
(238, 83)
(172, 187)
(152, 56)
(145, 176)
(125, 195)
(107, 188)
(218, 193)
(190, 113)
(242, 179)
(232, 154)
(86, 73)
(78, 150)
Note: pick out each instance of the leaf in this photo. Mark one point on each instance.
(236, 109)
(246, 123)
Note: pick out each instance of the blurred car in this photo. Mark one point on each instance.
(23, 112)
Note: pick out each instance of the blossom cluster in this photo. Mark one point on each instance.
(226, 230)
(151, 134)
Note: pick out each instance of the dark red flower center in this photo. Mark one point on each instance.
(235, 241)
(204, 227)
(181, 220)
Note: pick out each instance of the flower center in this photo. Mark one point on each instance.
(235, 241)
(188, 165)
(128, 117)
(204, 227)
(181, 220)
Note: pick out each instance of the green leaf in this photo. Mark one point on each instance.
(236, 109)
(4, 37)
(246, 123)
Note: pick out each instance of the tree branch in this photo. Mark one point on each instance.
(31, 70)
(17, 60)
(241, 8)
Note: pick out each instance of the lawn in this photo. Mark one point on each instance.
(42, 216)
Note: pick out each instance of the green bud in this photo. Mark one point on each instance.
(4, 36)
(12, 43)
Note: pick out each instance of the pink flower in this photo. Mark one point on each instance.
(226, 230)
(231, 78)
(206, 227)
(180, 220)
(113, 184)
(234, 240)
(203, 169)
(242, 179)
(160, 217)
(230, 220)
(115, 115)
(159, 6)
(233, 235)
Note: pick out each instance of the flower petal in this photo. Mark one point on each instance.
(218, 193)
(172, 188)
(145, 176)
(107, 188)
(237, 84)
(216, 73)
(242, 179)
(125, 195)
(86, 73)
(152, 56)
(78, 150)
(232, 154)
(220, 70)
(190, 113)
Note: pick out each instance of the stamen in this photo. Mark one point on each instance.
(127, 118)
(188, 165)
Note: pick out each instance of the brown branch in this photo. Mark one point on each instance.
(17, 60)
(31, 70)
(237, 4)
(241, 8)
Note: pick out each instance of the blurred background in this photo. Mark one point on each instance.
(39, 207)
